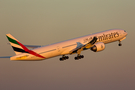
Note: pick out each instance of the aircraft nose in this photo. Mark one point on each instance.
(125, 33)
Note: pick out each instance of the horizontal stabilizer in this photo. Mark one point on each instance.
(5, 56)
(32, 46)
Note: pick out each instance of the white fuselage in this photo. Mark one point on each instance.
(63, 48)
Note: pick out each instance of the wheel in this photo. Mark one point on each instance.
(67, 57)
(120, 44)
(61, 59)
(76, 58)
(64, 58)
(82, 56)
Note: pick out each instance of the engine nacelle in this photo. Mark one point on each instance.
(98, 47)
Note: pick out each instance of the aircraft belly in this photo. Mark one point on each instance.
(51, 54)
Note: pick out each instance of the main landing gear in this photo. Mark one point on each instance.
(79, 57)
(64, 58)
(120, 43)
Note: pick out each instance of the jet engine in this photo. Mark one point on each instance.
(98, 47)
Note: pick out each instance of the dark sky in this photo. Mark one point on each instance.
(42, 22)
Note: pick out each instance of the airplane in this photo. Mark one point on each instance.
(94, 42)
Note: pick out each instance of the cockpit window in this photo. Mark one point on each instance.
(124, 31)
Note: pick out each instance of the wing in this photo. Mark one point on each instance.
(82, 47)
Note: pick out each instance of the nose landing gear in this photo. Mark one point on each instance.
(119, 43)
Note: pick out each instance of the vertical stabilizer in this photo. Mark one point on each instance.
(16, 45)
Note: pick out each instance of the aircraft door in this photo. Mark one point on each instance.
(58, 48)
